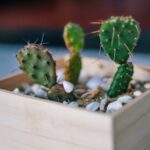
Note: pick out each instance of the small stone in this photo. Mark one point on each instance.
(103, 104)
(92, 106)
(125, 99)
(73, 104)
(60, 76)
(16, 91)
(137, 93)
(65, 103)
(147, 86)
(38, 91)
(114, 106)
(94, 82)
(68, 86)
(27, 89)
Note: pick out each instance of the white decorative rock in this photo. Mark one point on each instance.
(92, 106)
(65, 103)
(125, 99)
(137, 93)
(114, 106)
(74, 104)
(38, 91)
(94, 82)
(60, 76)
(16, 91)
(147, 86)
(68, 86)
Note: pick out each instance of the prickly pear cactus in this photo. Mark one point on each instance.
(74, 37)
(119, 36)
(74, 40)
(73, 68)
(38, 63)
(121, 80)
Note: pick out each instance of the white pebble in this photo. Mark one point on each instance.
(60, 75)
(94, 82)
(73, 104)
(68, 86)
(147, 86)
(93, 106)
(38, 91)
(16, 91)
(137, 93)
(114, 106)
(65, 103)
(125, 99)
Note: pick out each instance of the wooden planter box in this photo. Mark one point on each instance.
(28, 123)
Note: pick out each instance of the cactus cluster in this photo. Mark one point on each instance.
(118, 36)
(38, 63)
(74, 39)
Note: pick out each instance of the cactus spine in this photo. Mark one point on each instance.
(119, 36)
(38, 63)
(74, 39)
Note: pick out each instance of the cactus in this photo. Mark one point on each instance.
(119, 36)
(121, 80)
(73, 68)
(38, 63)
(74, 39)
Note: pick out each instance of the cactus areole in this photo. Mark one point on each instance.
(119, 36)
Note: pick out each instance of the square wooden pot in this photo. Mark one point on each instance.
(28, 123)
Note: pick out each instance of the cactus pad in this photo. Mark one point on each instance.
(38, 63)
(121, 80)
(73, 68)
(74, 37)
(118, 37)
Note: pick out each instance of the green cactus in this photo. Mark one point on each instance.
(74, 39)
(38, 63)
(73, 68)
(118, 37)
(121, 80)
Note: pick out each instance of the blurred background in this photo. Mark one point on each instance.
(22, 21)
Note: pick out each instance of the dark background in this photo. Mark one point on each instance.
(22, 21)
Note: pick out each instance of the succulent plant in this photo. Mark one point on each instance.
(119, 36)
(37, 62)
(121, 80)
(74, 39)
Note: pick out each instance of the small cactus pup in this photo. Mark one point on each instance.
(121, 80)
(119, 36)
(37, 62)
(74, 39)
